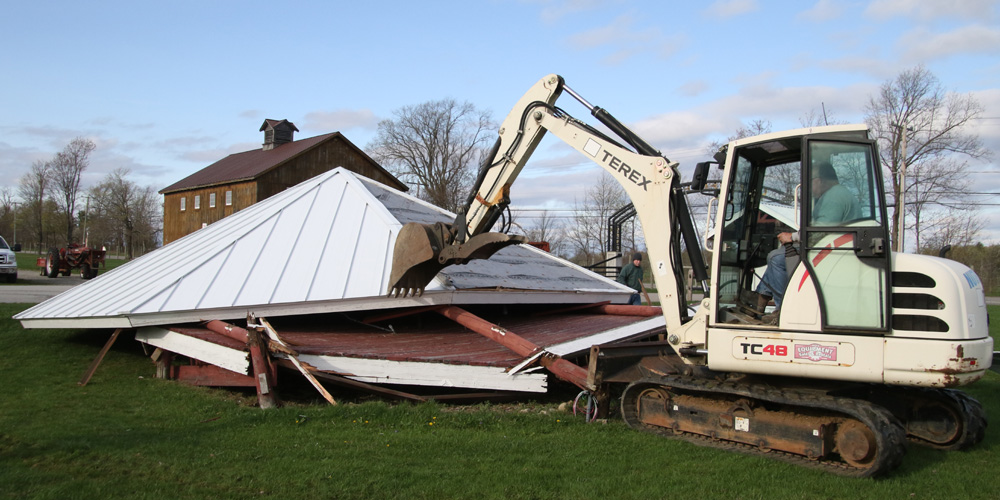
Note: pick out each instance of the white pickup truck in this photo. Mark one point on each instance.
(8, 262)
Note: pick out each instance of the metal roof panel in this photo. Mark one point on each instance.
(323, 245)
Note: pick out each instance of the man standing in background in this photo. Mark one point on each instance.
(631, 276)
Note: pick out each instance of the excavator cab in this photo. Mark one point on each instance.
(822, 188)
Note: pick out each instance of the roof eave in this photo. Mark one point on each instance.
(430, 298)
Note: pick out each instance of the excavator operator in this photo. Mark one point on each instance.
(833, 204)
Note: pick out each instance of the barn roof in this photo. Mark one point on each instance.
(324, 245)
(249, 165)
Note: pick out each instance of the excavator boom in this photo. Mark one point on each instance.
(421, 251)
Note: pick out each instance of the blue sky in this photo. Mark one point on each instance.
(167, 88)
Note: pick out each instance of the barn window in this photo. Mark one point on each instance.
(184, 203)
(229, 198)
(197, 202)
(211, 200)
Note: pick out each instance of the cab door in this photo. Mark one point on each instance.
(844, 241)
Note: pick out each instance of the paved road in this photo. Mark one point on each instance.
(33, 289)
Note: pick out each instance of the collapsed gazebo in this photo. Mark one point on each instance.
(301, 278)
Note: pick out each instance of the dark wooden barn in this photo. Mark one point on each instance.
(242, 179)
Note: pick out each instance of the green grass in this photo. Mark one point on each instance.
(128, 435)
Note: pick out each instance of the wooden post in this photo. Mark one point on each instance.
(643, 286)
(164, 363)
(100, 357)
(266, 396)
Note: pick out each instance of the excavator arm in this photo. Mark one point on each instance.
(650, 180)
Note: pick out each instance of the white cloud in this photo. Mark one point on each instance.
(931, 10)
(683, 130)
(693, 88)
(685, 134)
(557, 190)
(341, 119)
(604, 35)
(920, 45)
(871, 66)
(555, 11)
(731, 8)
(623, 39)
(823, 10)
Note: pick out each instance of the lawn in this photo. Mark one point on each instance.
(128, 435)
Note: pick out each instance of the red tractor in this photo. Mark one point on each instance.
(64, 260)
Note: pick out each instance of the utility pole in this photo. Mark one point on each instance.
(86, 217)
(901, 203)
(15, 221)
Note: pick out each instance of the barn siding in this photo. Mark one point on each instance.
(177, 224)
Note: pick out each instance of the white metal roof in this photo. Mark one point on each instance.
(321, 246)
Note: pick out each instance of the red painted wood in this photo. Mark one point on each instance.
(646, 311)
(429, 337)
(234, 332)
(211, 375)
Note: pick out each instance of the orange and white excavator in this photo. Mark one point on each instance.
(868, 344)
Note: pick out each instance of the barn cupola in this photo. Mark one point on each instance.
(277, 132)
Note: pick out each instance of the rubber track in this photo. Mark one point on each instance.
(891, 437)
(973, 418)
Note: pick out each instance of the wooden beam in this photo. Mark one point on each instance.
(622, 310)
(100, 357)
(294, 357)
(559, 367)
(498, 334)
(402, 313)
(476, 396)
(580, 307)
(211, 375)
(232, 331)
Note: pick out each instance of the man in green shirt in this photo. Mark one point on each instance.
(834, 205)
(631, 276)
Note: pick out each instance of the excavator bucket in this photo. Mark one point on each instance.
(423, 250)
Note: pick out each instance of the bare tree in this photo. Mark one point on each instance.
(588, 232)
(936, 137)
(549, 229)
(956, 228)
(33, 190)
(698, 204)
(819, 118)
(7, 212)
(67, 168)
(757, 126)
(125, 209)
(437, 145)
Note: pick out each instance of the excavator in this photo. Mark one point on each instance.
(862, 357)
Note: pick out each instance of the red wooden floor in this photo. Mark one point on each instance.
(426, 337)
